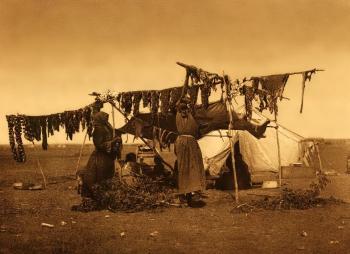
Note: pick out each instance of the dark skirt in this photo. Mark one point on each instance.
(99, 168)
(191, 175)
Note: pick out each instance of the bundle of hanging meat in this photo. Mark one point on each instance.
(39, 128)
(165, 101)
(15, 138)
(175, 95)
(206, 81)
(126, 102)
(137, 97)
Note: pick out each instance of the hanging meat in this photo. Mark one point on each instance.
(15, 138)
(68, 120)
(248, 100)
(165, 101)
(87, 116)
(56, 121)
(126, 102)
(146, 98)
(43, 125)
(205, 93)
(154, 102)
(11, 126)
(193, 93)
(137, 96)
(50, 130)
(28, 129)
(175, 95)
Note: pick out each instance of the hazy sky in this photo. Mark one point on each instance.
(53, 53)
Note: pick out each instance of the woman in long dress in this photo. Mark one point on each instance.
(191, 174)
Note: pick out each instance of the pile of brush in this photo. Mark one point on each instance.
(290, 199)
(137, 194)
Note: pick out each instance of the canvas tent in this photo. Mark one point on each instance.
(260, 155)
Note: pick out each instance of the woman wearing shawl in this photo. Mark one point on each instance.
(100, 166)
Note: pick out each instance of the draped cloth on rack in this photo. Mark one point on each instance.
(215, 117)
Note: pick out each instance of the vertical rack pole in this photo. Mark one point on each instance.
(113, 121)
(230, 131)
(279, 153)
(80, 153)
(233, 161)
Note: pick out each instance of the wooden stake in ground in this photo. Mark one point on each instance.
(80, 153)
(232, 148)
(39, 165)
(232, 152)
(279, 153)
(42, 172)
(230, 132)
(318, 156)
(113, 121)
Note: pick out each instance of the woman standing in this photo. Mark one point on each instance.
(191, 175)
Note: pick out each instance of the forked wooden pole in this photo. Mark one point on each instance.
(230, 131)
(113, 120)
(39, 166)
(279, 153)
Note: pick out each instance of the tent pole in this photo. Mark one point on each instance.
(279, 153)
(232, 151)
(234, 167)
(113, 120)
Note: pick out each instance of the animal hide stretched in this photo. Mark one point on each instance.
(266, 90)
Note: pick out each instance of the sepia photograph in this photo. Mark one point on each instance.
(174, 126)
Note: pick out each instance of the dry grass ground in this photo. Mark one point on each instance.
(211, 229)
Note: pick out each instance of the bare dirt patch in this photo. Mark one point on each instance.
(211, 229)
